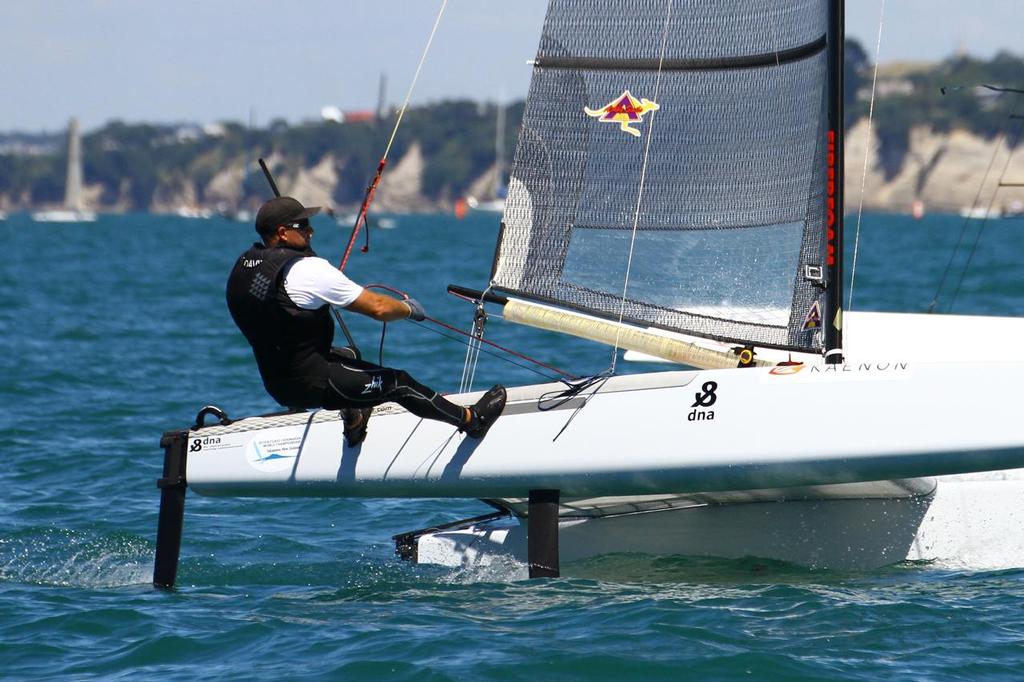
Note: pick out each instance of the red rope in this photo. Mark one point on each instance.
(361, 217)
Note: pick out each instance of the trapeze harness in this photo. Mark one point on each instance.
(299, 366)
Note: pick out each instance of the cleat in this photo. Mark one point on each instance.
(485, 412)
(356, 420)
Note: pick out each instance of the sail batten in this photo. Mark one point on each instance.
(697, 64)
(731, 217)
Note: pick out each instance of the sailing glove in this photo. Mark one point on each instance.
(416, 311)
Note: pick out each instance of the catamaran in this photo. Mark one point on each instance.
(677, 191)
(73, 210)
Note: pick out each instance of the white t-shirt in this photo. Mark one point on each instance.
(312, 282)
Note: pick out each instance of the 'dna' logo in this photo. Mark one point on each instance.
(624, 110)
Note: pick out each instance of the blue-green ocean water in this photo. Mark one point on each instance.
(117, 331)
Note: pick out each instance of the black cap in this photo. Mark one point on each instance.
(281, 211)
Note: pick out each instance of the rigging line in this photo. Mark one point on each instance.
(465, 366)
(867, 154)
(372, 188)
(640, 189)
(500, 357)
(462, 333)
(601, 379)
(472, 353)
(475, 360)
(473, 350)
(499, 347)
(469, 365)
(423, 58)
(963, 230)
(977, 237)
(554, 399)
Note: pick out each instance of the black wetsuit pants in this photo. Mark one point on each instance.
(357, 383)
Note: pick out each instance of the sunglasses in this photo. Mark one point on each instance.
(302, 225)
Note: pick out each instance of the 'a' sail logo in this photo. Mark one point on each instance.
(812, 320)
(624, 110)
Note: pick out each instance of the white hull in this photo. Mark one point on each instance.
(643, 434)
(486, 205)
(726, 481)
(349, 220)
(64, 216)
(964, 521)
(193, 213)
(969, 521)
(980, 213)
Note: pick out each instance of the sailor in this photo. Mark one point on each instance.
(279, 294)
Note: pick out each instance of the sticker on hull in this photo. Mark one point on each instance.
(272, 454)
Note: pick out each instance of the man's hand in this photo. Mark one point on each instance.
(416, 311)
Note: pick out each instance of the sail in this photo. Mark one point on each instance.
(73, 180)
(671, 168)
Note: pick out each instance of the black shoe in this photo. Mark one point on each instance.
(356, 419)
(485, 412)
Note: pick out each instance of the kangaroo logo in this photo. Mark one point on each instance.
(624, 110)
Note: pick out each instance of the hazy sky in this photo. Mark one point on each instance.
(208, 60)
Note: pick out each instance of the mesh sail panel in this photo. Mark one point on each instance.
(732, 202)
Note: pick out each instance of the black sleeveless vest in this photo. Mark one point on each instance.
(291, 345)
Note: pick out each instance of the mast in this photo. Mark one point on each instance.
(499, 151)
(382, 97)
(834, 184)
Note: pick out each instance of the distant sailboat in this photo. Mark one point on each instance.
(980, 213)
(496, 201)
(74, 208)
(236, 211)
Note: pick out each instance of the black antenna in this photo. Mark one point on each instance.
(270, 178)
(341, 323)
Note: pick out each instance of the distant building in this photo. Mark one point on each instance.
(360, 116)
(887, 88)
(30, 144)
(215, 130)
(333, 113)
(187, 133)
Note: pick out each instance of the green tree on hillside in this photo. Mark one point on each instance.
(132, 162)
